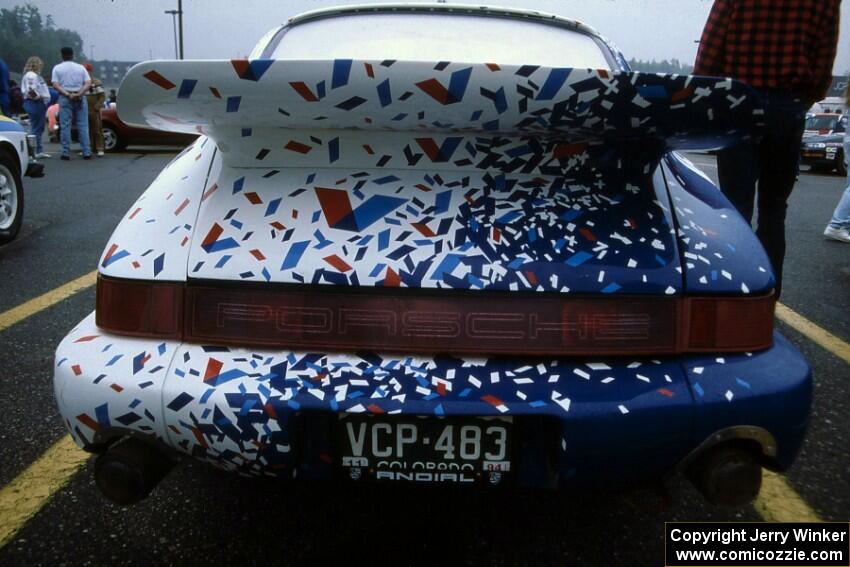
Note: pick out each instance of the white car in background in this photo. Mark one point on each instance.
(16, 158)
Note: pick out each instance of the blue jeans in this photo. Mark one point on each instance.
(841, 216)
(770, 163)
(37, 112)
(67, 110)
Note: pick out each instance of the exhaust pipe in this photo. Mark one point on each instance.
(129, 470)
(727, 475)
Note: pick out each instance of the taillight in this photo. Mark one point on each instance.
(730, 323)
(434, 321)
(140, 308)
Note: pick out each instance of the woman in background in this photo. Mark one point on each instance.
(839, 227)
(36, 97)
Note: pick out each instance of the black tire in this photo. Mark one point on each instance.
(11, 198)
(841, 168)
(111, 140)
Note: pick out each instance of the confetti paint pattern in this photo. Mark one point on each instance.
(234, 407)
(432, 175)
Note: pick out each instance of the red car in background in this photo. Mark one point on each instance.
(117, 135)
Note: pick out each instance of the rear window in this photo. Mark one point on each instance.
(439, 37)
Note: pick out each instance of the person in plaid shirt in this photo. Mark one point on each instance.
(784, 49)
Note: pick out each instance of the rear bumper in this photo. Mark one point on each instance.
(610, 421)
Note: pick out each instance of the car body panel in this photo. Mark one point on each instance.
(532, 196)
(431, 228)
(719, 252)
(15, 137)
(615, 418)
(153, 239)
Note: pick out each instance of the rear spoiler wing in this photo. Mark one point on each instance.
(234, 100)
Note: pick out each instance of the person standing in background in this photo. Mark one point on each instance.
(36, 99)
(95, 98)
(839, 227)
(784, 49)
(72, 81)
(4, 88)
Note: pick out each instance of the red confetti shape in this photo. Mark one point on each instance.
(566, 150)
(337, 263)
(257, 254)
(253, 198)
(585, 232)
(209, 192)
(77, 370)
(683, 94)
(392, 279)
(213, 369)
(305, 92)
(158, 80)
(212, 235)
(298, 147)
(423, 229)
(86, 420)
(492, 400)
(182, 206)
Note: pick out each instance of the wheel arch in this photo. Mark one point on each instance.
(8, 148)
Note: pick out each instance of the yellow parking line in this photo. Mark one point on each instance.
(22, 498)
(813, 332)
(52, 297)
(778, 502)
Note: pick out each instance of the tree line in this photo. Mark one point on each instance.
(672, 66)
(23, 32)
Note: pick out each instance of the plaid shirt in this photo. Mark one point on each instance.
(785, 45)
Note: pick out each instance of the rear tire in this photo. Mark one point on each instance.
(111, 140)
(11, 199)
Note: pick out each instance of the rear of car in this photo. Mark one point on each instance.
(401, 258)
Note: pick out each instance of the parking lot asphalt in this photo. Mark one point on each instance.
(198, 515)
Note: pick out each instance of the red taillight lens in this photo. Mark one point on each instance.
(429, 322)
(140, 308)
(733, 323)
(434, 321)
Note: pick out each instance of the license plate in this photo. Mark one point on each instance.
(426, 449)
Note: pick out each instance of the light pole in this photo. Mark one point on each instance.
(180, 22)
(174, 24)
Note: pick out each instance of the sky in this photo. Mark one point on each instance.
(134, 30)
